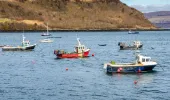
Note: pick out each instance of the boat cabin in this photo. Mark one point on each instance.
(79, 48)
(143, 59)
(137, 43)
(25, 43)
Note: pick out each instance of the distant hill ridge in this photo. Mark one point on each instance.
(70, 15)
(158, 13)
(160, 19)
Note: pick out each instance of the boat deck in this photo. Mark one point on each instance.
(124, 65)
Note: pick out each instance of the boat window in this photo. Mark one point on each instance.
(143, 60)
(147, 60)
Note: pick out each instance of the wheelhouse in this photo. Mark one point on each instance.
(143, 59)
(25, 43)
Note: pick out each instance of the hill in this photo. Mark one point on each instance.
(161, 18)
(70, 15)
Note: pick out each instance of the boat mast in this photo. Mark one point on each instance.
(78, 40)
(23, 37)
(47, 28)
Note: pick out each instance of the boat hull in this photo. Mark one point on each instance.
(145, 68)
(71, 55)
(45, 34)
(102, 44)
(130, 47)
(31, 47)
(46, 41)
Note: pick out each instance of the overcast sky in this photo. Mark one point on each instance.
(149, 5)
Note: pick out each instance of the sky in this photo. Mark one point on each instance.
(149, 5)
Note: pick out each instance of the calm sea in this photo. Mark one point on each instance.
(38, 75)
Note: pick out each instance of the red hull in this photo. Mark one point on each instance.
(73, 55)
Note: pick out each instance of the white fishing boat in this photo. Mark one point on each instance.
(25, 46)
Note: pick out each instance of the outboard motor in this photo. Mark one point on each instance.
(119, 43)
(56, 51)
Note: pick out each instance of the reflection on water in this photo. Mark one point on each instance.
(141, 78)
(146, 78)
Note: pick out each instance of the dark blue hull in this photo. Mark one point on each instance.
(30, 47)
(134, 33)
(148, 68)
(102, 44)
(46, 35)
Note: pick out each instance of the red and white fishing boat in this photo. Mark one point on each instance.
(79, 51)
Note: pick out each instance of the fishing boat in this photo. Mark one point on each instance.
(79, 51)
(142, 64)
(136, 45)
(47, 33)
(25, 46)
(46, 41)
(133, 32)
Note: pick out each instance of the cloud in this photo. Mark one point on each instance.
(151, 8)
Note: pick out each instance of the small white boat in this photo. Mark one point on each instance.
(46, 41)
(47, 33)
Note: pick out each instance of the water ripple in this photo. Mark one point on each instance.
(38, 75)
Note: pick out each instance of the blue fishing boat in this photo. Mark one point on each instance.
(133, 32)
(142, 64)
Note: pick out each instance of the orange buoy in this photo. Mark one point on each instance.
(135, 82)
(92, 54)
(66, 69)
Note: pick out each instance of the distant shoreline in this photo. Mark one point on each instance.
(83, 30)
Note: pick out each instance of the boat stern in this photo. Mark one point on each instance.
(105, 66)
(86, 53)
